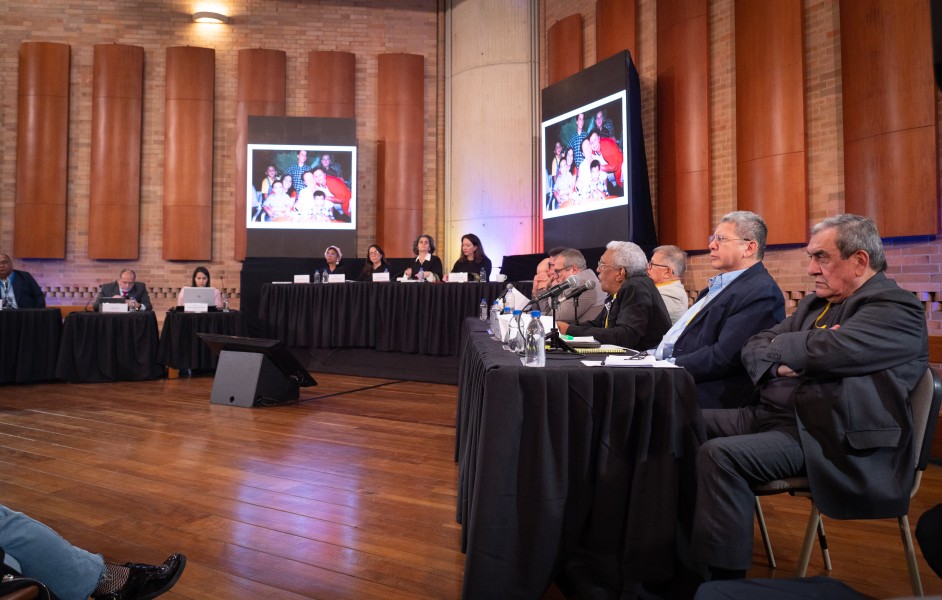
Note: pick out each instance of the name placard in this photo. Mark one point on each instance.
(457, 277)
(381, 277)
(114, 307)
(195, 307)
(302, 279)
(336, 278)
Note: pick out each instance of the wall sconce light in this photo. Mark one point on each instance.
(209, 17)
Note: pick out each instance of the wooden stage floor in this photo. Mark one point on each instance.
(349, 494)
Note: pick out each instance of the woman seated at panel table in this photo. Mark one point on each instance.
(472, 259)
(333, 256)
(424, 249)
(375, 263)
(201, 279)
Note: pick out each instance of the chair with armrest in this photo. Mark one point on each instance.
(924, 402)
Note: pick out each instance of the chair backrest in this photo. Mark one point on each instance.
(925, 400)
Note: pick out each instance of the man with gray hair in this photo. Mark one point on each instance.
(634, 316)
(740, 301)
(834, 383)
(585, 307)
(666, 267)
(128, 287)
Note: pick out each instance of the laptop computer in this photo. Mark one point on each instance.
(202, 295)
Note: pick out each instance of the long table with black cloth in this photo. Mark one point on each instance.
(567, 463)
(181, 348)
(102, 347)
(412, 318)
(29, 344)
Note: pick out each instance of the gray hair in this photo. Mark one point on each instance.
(675, 258)
(749, 226)
(855, 232)
(131, 271)
(573, 257)
(629, 257)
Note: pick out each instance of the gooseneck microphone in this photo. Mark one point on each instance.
(559, 288)
(585, 287)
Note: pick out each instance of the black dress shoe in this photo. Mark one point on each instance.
(149, 581)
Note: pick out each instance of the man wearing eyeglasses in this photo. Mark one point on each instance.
(834, 381)
(666, 267)
(740, 301)
(586, 306)
(636, 316)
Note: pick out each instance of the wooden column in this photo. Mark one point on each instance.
(114, 202)
(188, 154)
(261, 91)
(683, 123)
(402, 134)
(564, 48)
(890, 157)
(771, 178)
(42, 143)
(331, 84)
(616, 25)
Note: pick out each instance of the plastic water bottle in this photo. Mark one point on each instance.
(482, 309)
(535, 344)
(421, 275)
(325, 276)
(495, 318)
(225, 302)
(317, 276)
(514, 337)
(483, 275)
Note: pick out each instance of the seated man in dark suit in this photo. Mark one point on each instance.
(834, 382)
(18, 289)
(127, 287)
(739, 302)
(635, 315)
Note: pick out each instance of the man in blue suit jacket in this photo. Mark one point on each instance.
(739, 302)
(18, 288)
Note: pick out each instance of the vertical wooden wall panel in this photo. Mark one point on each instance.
(401, 117)
(770, 117)
(188, 154)
(114, 212)
(331, 84)
(42, 134)
(683, 123)
(255, 65)
(890, 156)
(616, 26)
(564, 48)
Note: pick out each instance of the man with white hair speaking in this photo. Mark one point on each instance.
(635, 315)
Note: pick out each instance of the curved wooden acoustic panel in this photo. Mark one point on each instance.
(188, 154)
(114, 202)
(890, 156)
(255, 65)
(683, 123)
(401, 125)
(770, 117)
(331, 84)
(42, 132)
(616, 24)
(564, 48)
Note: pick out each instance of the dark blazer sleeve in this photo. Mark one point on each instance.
(107, 290)
(638, 316)
(27, 292)
(435, 266)
(139, 293)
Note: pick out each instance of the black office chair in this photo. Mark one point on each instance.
(924, 401)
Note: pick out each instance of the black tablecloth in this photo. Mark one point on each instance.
(179, 347)
(29, 344)
(413, 318)
(100, 347)
(568, 461)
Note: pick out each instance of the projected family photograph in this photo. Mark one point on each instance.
(584, 158)
(301, 187)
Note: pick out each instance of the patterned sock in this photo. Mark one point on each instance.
(112, 580)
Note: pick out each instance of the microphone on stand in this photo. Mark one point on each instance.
(585, 287)
(507, 290)
(93, 298)
(559, 288)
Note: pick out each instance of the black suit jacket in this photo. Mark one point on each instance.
(137, 292)
(638, 318)
(709, 347)
(27, 292)
(852, 399)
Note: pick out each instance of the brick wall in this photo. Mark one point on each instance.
(366, 28)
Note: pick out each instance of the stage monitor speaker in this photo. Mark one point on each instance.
(254, 371)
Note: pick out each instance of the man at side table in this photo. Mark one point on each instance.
(127, 287)
(18, 289)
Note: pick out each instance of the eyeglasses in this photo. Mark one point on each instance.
(719, 239)
(561, 269)
(654, 264)
(607, 266)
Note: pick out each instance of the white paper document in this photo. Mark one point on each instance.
(629, 361)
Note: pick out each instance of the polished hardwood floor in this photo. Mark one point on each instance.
(349, 494)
